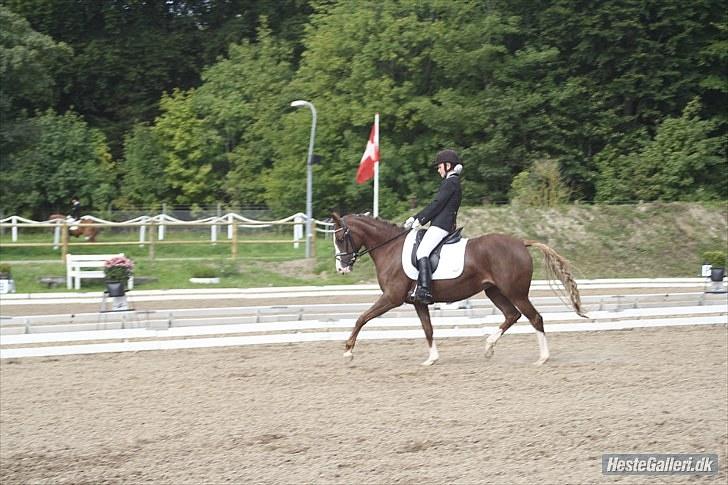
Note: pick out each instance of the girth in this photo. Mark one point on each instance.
(451, 238)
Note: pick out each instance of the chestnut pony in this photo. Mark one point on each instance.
(82, 227)
(498, 264)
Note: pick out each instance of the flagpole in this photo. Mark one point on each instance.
(376, 167)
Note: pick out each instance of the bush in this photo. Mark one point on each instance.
(5, 268)
(541, 185)
(717, 259)
(204, 272)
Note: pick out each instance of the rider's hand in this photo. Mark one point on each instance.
(416, 224)
(409, 223)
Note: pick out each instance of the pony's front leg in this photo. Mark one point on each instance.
(424, 313)
(382, 305)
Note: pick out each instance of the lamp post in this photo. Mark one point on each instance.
(309, 176)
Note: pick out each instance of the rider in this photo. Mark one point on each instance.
(75, 208)
(442, 212)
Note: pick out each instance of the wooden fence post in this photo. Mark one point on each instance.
(152, 237)
(64, 241)
(313, 243)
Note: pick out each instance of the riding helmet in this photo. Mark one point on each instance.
(446, 156)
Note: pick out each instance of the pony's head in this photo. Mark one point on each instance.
(346, 244)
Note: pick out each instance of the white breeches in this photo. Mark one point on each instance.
(432, 238)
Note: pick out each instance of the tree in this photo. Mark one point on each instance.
(62, 157)
(129, 52)
(143, 179)
(191, 149)
(540, 185)
(441, 75)
(684, 161)
(28, 61)
(243, 99)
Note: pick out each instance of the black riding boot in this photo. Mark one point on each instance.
(424, 282)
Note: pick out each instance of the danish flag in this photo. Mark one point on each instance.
(370, 157)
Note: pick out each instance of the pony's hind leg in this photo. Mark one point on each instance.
(524, 304)
(510, 312)
(424, 313)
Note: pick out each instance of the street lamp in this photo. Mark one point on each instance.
(309, 175)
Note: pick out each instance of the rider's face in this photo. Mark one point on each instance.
(441, 170)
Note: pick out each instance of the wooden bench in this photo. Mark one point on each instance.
(88, 266)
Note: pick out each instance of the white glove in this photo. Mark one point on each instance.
(409, 222)
(416, 224)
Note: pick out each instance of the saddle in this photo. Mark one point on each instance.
(451, 238)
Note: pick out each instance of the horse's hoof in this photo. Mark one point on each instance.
(541, 361)
(428, 362)
(348, 356)
(489, 351)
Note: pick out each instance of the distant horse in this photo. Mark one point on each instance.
(80, 227)
(498, 264)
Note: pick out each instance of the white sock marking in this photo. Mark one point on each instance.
(543, 347)
(493, 338)
(434, 354)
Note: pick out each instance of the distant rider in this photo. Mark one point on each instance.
(75, 208)
(442, 212)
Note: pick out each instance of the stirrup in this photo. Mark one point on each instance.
(422, 295)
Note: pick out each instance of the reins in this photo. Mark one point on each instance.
(369, 250)
(350, 243)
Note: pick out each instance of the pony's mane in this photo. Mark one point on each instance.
(385, 221)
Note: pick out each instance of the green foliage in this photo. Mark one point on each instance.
(717, 259)
(117, 273)
(191, 150)
(5, 268)
(205, 271)
(128, 53)
(118, 268)
(439, 74)
(61, 157)
(243, 100)
(682, 162)
(28, 61)
(143, 180)
(540, 185)
(598, 88)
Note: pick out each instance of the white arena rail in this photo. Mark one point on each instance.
(211, 327)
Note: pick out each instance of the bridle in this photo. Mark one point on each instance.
(349, 245)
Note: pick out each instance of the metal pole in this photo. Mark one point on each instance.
(376, 167)
(309, 175)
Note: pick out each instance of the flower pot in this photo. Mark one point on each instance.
(115, 288)
(716, 280)
(117, 291)
(717, 274)
(7, 283)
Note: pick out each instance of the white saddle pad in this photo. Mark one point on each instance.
(452, 259)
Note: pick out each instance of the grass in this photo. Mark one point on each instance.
(646, 240)
(258, 265)
(178, 243)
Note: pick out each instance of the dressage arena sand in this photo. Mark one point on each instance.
(294, 413)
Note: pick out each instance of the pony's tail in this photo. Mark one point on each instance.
(558, 266)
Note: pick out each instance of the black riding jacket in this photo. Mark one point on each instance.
(443, 211)
(76, 211)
